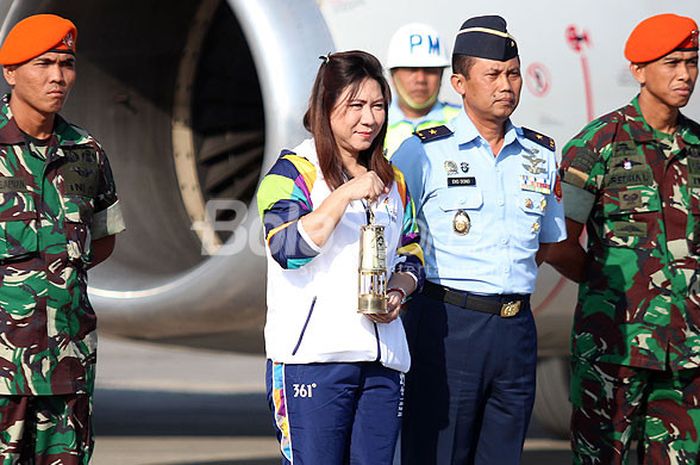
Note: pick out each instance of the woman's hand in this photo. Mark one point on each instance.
(393, 304)
(366, 186)
(401, 285)
(320, 223)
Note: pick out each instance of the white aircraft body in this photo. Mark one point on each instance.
(194, 99)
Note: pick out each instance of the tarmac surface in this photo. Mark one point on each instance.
(170, 405)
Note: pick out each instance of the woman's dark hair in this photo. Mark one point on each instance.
(338, 72)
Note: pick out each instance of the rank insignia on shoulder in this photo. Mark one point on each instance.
(434, 133)
(544, 141)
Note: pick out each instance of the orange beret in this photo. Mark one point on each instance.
(659, 35)
(36, 35)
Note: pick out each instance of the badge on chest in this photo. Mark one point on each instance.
(79, 171)
(535, 184)
(452, 169)
(461, 224)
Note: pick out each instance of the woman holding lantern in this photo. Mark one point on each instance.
(335, 374)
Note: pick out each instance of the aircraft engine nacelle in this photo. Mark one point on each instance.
(192, 101)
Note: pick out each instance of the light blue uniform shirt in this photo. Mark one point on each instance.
(509, 200)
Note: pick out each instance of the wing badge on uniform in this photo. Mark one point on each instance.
(534, 166)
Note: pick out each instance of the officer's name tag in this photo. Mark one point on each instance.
(638, 176)
(534, 184)
(467, 181)
(12, 184)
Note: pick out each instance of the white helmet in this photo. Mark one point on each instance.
(416, 45)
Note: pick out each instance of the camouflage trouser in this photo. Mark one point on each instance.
(614, 405)
(43, 430)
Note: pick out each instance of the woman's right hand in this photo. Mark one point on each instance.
(366, 186)
(320, 223)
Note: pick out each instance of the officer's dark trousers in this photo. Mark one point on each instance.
(471, 387)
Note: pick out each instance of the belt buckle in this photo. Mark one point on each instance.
(510, 309)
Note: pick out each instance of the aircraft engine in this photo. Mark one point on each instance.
(192, 101)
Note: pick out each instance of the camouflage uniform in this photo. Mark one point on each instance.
(55, 197)
(636, 334)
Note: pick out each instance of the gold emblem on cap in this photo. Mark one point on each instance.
(461, 223)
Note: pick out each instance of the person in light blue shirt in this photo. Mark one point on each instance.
(489, 202)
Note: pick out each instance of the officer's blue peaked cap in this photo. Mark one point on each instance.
(485, 37)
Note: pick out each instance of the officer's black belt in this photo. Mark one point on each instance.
(504, 305)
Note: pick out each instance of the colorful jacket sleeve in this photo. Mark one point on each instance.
(283, 198)
(409, 251)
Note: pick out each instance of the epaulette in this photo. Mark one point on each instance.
(434, 133)
(544, 141)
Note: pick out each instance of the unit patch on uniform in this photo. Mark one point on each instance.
(12, 184)
(575, 177)
(629, 200)
(627, 163)
(584, 161)
(694, 168)
(534, 184)
(558, 194)
(694, 165)
(626, 228)
(464, 166)
(80, 171)
(625, 149)
(465, 181)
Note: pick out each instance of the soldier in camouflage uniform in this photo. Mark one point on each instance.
(633, 178)
(58, 216)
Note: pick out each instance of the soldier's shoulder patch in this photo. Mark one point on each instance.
(544, 141)
(434, 133)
